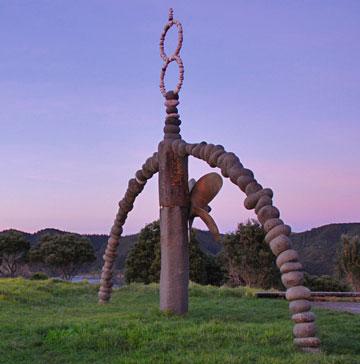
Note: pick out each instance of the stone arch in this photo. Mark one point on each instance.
(277, 234)
(135, 187)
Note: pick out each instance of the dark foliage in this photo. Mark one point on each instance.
(316, 247)
(349, 260)
(64, 254)
(143, 261)
(248, 260)
(39, 276)
(13, 251)
(325, 284)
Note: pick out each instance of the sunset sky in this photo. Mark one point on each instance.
(277, 83)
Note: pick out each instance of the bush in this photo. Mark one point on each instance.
(248, 259)
(65, 254)
(39, 276)
(349, 260)
(143, 261)
(325, 284)
(13, 251)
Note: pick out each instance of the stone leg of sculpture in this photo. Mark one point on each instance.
(136, 185)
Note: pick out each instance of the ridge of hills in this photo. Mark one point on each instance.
(318, 247)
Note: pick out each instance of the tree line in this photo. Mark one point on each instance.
(61, 255)
(244, 260)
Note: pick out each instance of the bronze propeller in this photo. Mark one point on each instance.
(201, 193)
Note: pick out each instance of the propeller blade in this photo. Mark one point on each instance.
(208, 220)
(205, 189)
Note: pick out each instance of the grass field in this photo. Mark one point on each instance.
(55, 322)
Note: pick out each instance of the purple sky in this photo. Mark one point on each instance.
(278, 83)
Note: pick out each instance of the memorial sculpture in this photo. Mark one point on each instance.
(182, 200)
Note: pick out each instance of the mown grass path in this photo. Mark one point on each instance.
(56, 322)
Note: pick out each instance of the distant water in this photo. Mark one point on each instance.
(91, 280)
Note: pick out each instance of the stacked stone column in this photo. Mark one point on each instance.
(135, 186)
(277, 235)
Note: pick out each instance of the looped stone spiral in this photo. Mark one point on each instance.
(174, 57)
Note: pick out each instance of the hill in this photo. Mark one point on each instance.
(317, 247)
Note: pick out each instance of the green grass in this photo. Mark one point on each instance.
(56, 322)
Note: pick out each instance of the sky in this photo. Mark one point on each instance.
(275, 82)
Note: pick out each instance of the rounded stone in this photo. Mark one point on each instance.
(221, 158)
(140, 176)
(189, 148)
(224, 172)
(263, 201)
(297, 293)
(107, 277)
(146, 173)
(306, 329)
(252, 188)
(112, 248)
(128, 199)
(113, 242)
(243, 181)
(276, 231)
(106, 283)
(219, 146)
(212, 160)
(197, 150)
(279, 244)
(247, 172)
(290, 267)
(299, 306)
(120, 220)
(155, 164)
(312, 342)
(125, 205)
(252, 199)
(303, 317)
(171, 95)
(287, 256)
(292, 279)
(208, 149)
(116, 230)
(109, 255)
(106, 271)
(202, 152)
(234, 173)
(106, 290)
(104, 297)
(171, 110)
(173, 129)
(271, 223)
(172, 102)
(229, 160)
(310, 350)
(268, 212)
